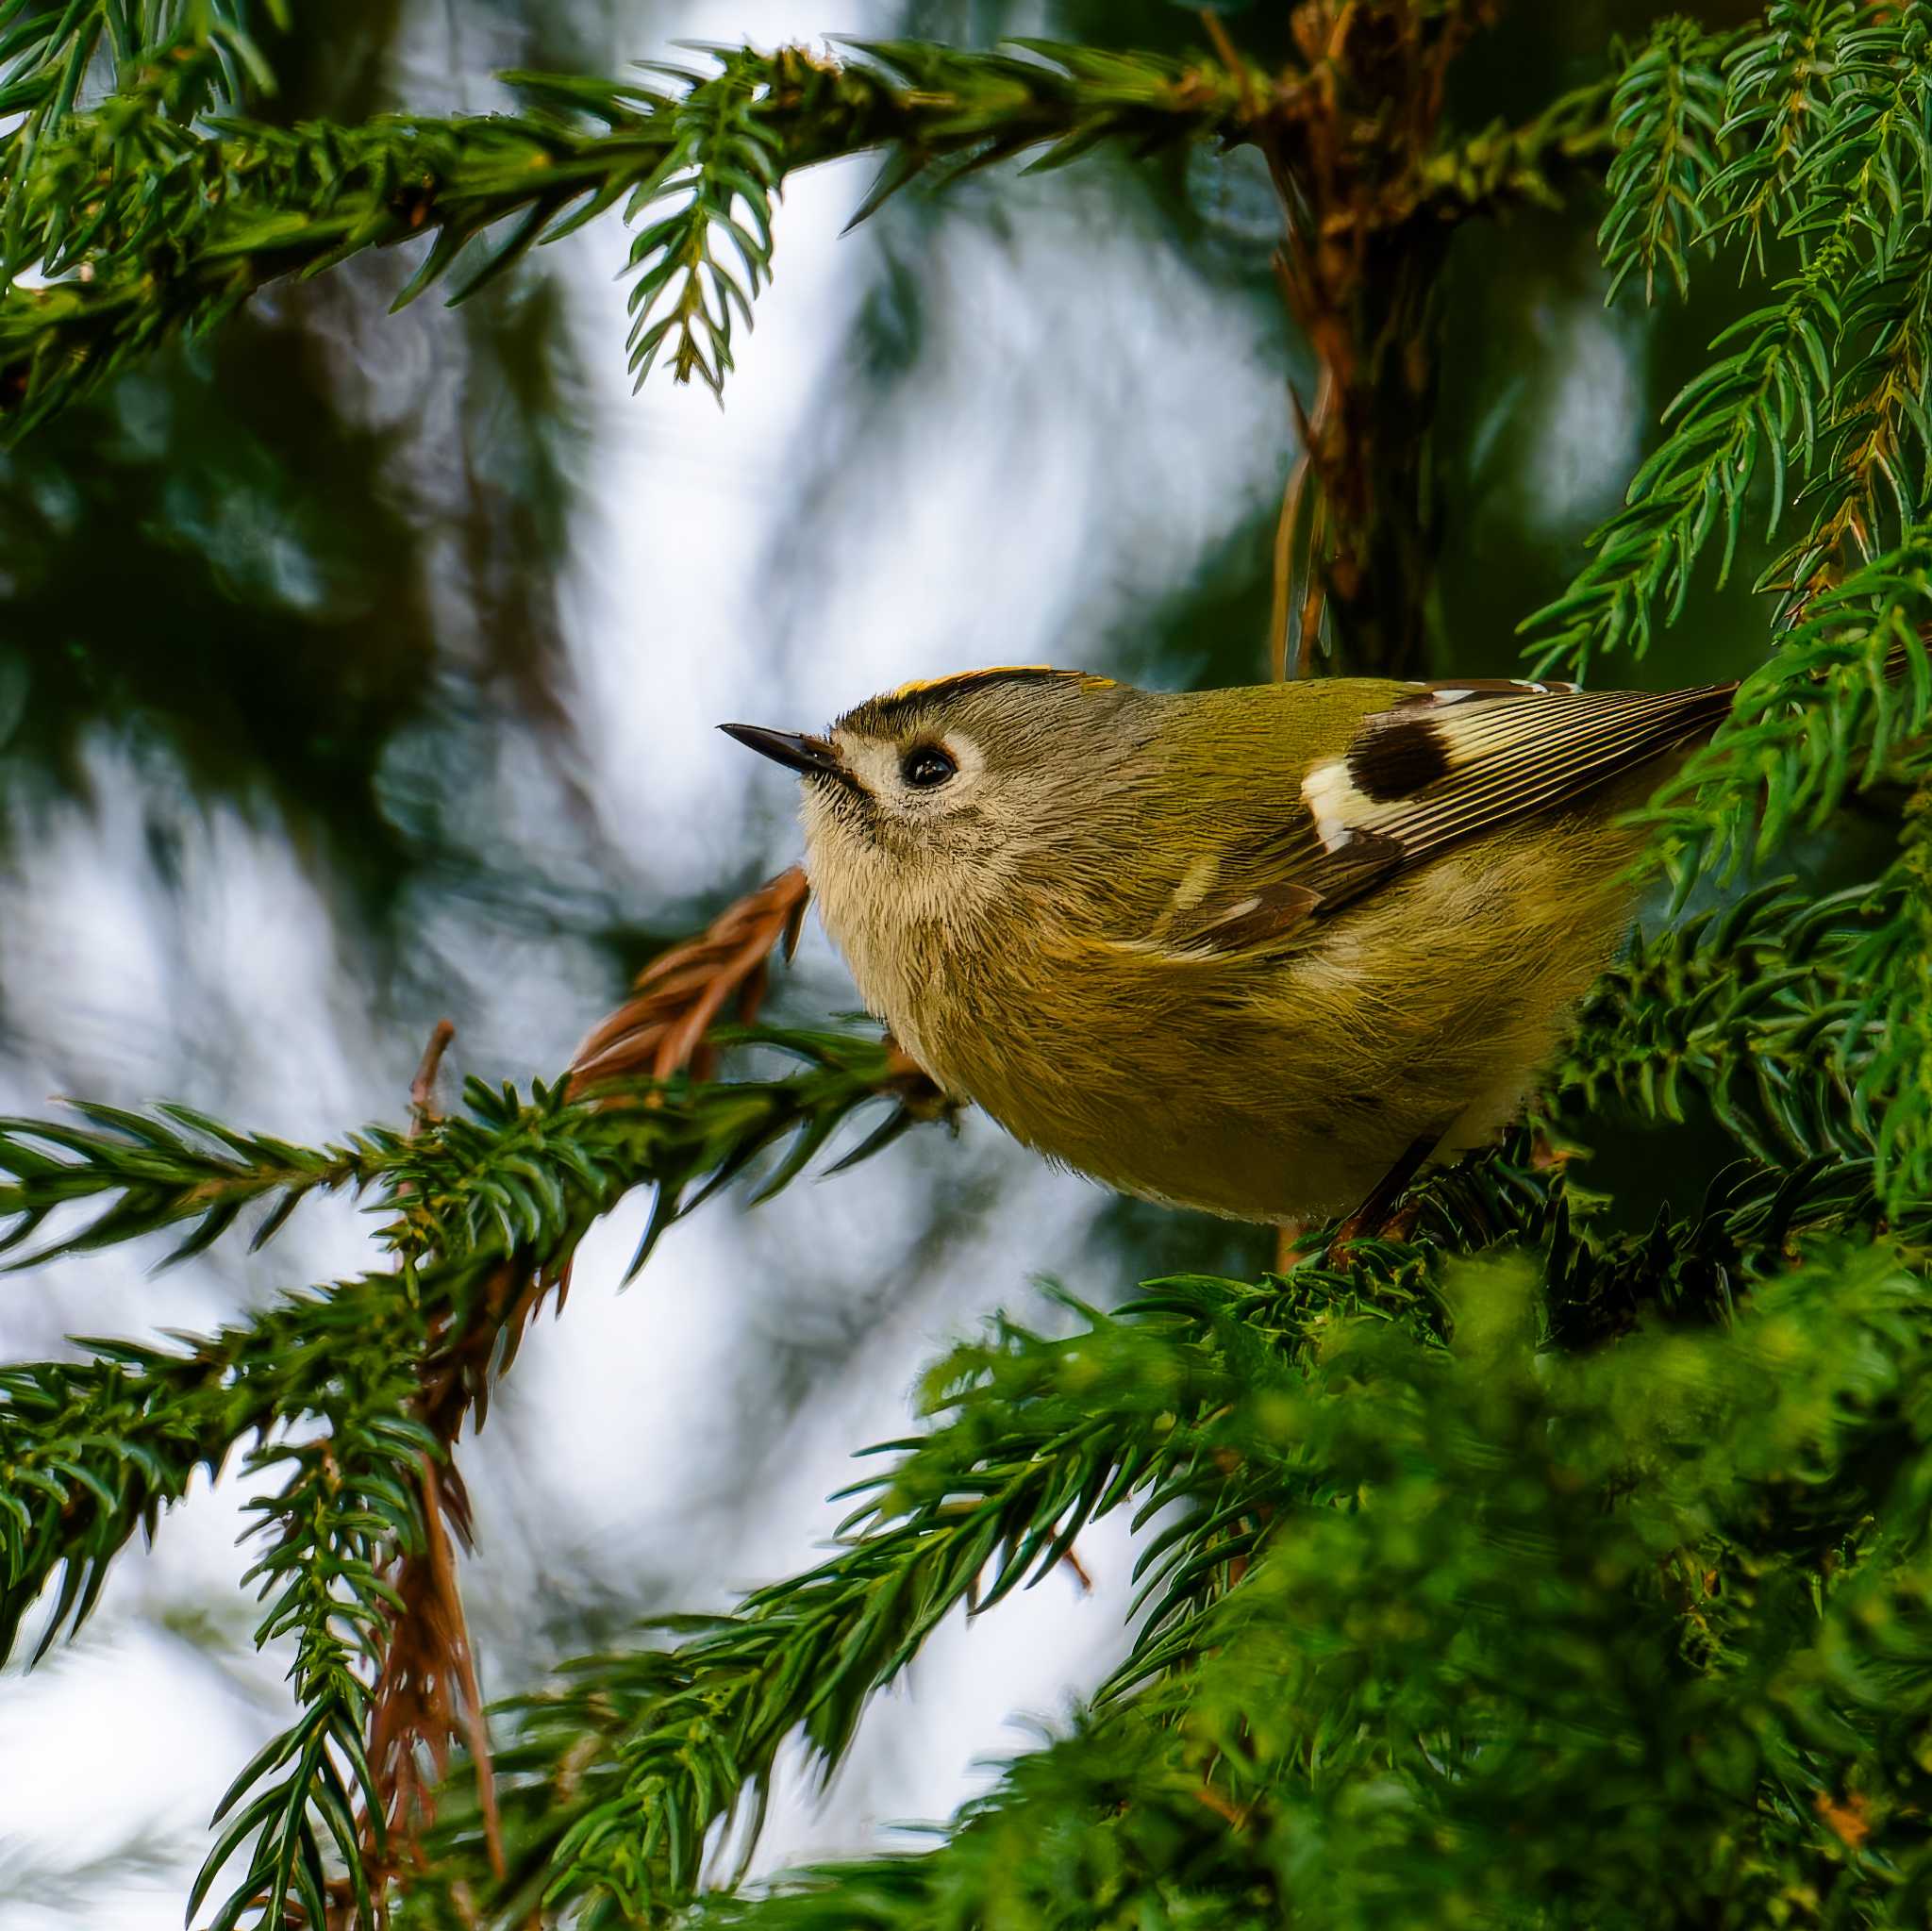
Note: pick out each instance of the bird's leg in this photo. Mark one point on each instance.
(1376, 1214)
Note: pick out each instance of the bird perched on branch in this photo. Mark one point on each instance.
(1263, 951)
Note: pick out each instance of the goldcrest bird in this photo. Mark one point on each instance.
(1262, 951)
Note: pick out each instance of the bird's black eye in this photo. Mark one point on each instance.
(926, 767)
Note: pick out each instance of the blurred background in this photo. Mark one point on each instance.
(360, 670)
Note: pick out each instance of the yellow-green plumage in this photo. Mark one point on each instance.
(1135, 929)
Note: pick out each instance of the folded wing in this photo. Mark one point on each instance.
(1446, 764)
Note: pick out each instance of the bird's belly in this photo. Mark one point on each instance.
(1283, 1089)
(1247, 1138)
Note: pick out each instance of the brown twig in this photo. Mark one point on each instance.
(423, 1087)
(1284, 626)
(678, 998)
(1847, 1821)
(426, 1696)
(443, 1558)
(1235, 1814)
(1225, 53)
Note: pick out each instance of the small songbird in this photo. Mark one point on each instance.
(1262, 951)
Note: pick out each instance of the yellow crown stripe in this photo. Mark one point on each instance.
(919, 684)
(957, 678)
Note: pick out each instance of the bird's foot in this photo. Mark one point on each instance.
(1384, 1215)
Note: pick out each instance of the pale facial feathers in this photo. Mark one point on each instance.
(954, 804)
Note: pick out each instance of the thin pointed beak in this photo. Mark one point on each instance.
(811, 757)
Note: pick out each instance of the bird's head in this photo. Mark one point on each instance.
(934, 801)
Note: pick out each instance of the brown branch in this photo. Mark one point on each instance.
(1370, 192)
(1226, 51)
(1848, 535)
(1294, 631)
(1350, 140)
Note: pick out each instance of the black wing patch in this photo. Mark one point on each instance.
(1398, 759)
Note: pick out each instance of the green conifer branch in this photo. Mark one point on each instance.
(508, 1176)
(346, 1506)
(1800, 1023)
(1532, 165)
(157, 1170)
(1665, 117)
(1777, 93)
(1529, 1663)
(1893, 969)
(150, 227)
(89, 1451)
(1871, 482)
(1754, 1009)
(1505, 1680)
(1763, 405)
(46, 51)
(1241, 1415)
(804, 1661)
(1843, 707)
(610, 1781)
(149, 223)
(1752, 406)
(724, 157)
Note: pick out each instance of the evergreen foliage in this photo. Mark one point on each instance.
(1537, 1561)
(92, 1451)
